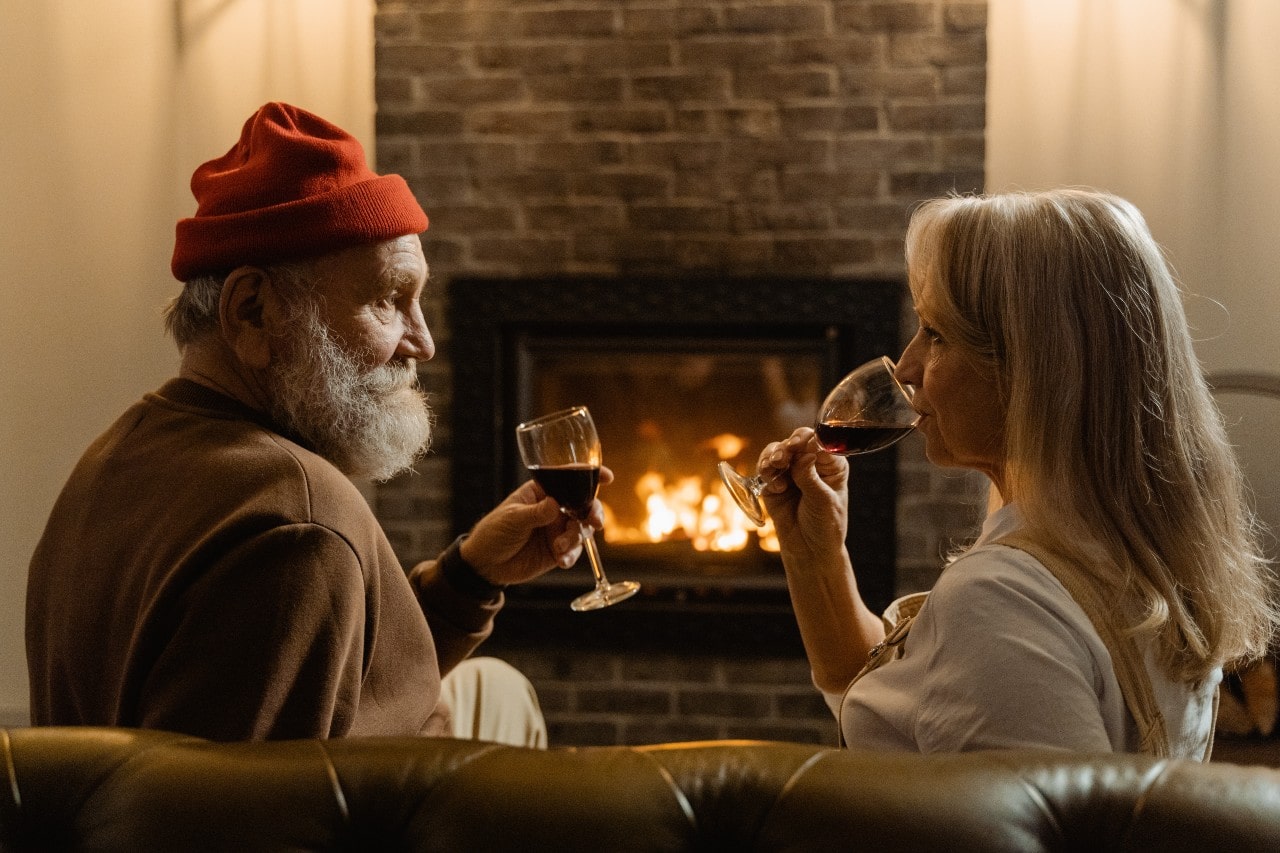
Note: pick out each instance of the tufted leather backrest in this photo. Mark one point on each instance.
(125, 790)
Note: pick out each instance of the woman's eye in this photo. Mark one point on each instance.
(931, 333)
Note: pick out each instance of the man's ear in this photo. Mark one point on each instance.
(246, 300)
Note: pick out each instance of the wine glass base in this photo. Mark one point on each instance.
(740, 490)
(605, 595)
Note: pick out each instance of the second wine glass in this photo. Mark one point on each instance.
(867, 411)
(562, 452)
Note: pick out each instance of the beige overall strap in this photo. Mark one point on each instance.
(1126, 657)
(897, 623)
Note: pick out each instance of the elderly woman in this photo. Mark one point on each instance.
(1118, 569)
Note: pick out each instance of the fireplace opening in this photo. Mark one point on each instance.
(669, 407)
(678, 374)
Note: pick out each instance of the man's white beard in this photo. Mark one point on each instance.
(369, 423)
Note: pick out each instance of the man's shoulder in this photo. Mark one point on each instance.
(310, 471)
(242, 457)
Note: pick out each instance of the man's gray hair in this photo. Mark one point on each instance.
(193, 313)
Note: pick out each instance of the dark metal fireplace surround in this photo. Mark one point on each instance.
(728, 602)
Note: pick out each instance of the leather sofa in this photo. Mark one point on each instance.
(120, 789)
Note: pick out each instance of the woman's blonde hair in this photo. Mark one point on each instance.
(1112, 435)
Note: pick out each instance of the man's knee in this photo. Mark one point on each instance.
(491, 700)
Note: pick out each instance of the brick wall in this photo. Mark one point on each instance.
(601, 137)
(590, 697)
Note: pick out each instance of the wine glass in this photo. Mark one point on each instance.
(562, 452)
(867, 411)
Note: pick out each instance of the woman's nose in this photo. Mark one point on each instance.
(908, 369)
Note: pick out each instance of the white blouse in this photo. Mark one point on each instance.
(1001, 657)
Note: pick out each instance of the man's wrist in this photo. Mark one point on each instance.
(463, 576)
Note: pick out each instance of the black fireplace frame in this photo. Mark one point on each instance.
(488, 318)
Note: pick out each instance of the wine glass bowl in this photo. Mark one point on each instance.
(867, 410)
(561, 450)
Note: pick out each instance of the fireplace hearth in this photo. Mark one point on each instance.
(678, 373)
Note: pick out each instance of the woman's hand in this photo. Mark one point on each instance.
(527, 535)
(806, 494)
(808, 498)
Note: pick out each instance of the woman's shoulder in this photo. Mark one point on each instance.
(1001, 604)
(993, 566)
(993, 577)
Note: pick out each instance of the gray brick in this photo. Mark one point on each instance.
(667, 668)
(773, 672)
(723, 703)
(575, 88)
(733, 53)
(678, 86)
(783, 84)
(436, 60)
(915, 50)
(569, 22)
(646, 732)
(622, 120)
(947, 117)
(571, 732)
(895, 17)
(815, 733)
(778, 18)
(579, 217)
(528, 58)
(629, 700)
(668, 23)
(965, 17)
(680, 217)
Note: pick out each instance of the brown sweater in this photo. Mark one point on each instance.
(202, 573)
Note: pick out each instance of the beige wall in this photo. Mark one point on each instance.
(1171, 103)
(106, 106)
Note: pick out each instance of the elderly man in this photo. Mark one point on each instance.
(209, 567)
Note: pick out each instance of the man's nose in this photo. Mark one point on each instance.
(416, 342)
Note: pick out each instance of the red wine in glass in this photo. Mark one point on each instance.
(851, 439)
(573, 486)
(867, 411)
(562, 452)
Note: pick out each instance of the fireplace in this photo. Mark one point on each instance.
(706, 143)
(679, 373)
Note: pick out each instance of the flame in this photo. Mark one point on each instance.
(687, 510)
(726, 445)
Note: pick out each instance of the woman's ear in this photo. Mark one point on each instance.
(245, 301)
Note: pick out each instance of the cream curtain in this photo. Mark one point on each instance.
(1173, 104)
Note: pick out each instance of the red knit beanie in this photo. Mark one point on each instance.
(292, 187)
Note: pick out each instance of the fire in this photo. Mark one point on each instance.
(726, 445)
(686, 510)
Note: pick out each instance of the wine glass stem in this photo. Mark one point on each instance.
(593, 555)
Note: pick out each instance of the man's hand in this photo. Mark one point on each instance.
(527, 535)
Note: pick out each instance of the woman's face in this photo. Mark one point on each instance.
(958, 398)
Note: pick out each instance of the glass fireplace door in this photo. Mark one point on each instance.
(667, 411)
